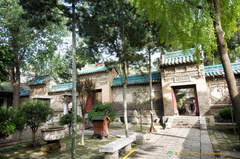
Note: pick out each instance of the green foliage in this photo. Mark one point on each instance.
(225, 113)
(7, 125)
(181, 110)
(67, 119)
(19, 120)
(5, 60)
(10, 121)
(36, 112)
(30, 45)
(190, 23)
(102, 109)
(115, 28)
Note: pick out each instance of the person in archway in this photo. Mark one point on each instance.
(186, 106)
(192, 107)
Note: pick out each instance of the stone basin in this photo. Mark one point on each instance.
(52, 134)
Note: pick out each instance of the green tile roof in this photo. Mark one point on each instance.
(24, 91)
(179, 57)
(217, 70)
(92, 68)
(138, 79)
(39, 80)
(61, 87)
(6, 87)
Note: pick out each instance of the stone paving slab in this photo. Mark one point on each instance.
(175, 143)
(224, 142)
(183, 143)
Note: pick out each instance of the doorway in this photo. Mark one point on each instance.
(185, 100)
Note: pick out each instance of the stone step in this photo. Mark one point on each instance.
(186, 122)
(186, 125)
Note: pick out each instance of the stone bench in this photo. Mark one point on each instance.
(112, 149)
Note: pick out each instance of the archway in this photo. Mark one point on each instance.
(185, 101)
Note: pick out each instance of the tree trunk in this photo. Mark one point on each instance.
(124, 84)
(83, 128)
(34, 137)
(14, 72)
(125, 107)
(16, 93)
(151, 129)
(74, 105)
(229, 75)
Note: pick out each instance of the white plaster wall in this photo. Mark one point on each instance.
(103, 80)
(183, 76)
(138, 98)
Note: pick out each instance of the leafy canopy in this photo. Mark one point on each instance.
(30, 42)
(189, 23)
(112, 27)
(5, 61)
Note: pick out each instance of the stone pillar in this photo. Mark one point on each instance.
(65, 106)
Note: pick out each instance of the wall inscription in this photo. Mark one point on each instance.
(182, 79)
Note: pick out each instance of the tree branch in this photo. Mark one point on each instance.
(190, 2)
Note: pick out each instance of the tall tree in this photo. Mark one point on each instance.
(22, 41)
(113, 27)
(44, 11)
(86, 92)
(206, 22)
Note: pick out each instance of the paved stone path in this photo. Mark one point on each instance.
(185, 143)
(225, 142)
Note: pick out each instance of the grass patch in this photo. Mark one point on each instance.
(89, 150)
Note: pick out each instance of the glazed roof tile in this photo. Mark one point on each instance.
(24, 91)
(93, 68)
(39, 80)
(6, 87)
(61, 87)
(217, 70)
(179, 57)
(138, 79)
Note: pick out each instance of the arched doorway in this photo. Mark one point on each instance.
(185, 101)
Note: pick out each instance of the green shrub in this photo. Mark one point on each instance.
(181, 110)
(10, 121)
(7, 125)
(36, 112)
(19, 120)
(225, 113)
(67, 119)
(102, 109)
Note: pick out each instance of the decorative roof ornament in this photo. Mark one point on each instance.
(93, 68)
(178, 57)
(42, 79)
(61, 87)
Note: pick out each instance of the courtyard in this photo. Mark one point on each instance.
(216, 142)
